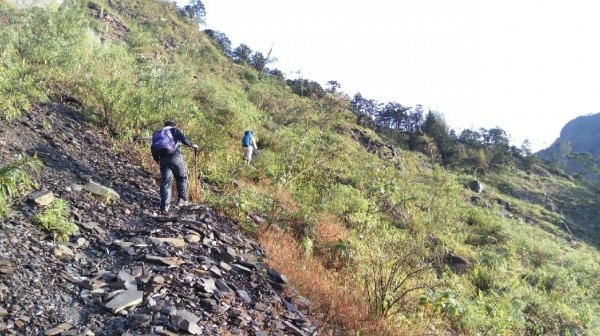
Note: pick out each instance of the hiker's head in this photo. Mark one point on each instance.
(170, 123)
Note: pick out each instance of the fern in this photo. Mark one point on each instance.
(16, 179)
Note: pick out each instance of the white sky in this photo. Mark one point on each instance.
(527, 67)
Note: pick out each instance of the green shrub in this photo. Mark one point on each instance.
(250, 76)
(54, 220)
(16, 179)
(483, 278)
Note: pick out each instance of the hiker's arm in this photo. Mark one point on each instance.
(254, 142)
(181, 138)
(155, 157)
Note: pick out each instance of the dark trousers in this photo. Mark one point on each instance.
(172, 165)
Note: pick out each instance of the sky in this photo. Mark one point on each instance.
(527, 67)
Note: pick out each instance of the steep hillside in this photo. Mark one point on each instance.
(123, 268)
(463, 236)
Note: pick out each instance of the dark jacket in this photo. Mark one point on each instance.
(179, 139)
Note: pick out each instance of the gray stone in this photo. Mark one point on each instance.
(3, 312)
(241, 269)
(169, 311)
(290, 307)
(165, 333)
(222, 286)
(225, 266)
(91, 226)
(186, 325)
(244, 295)
(216, 271)
(228, 255)
(117, 285)
(169, 241)
(125, 276)
(58, 329)
(101, 190)
(111, 295)
(247, 264)
(292, 329)
(124, 300)
(130, 285)
(42, 197)
(187, 315)
(192, 238)
(304, 303)
(277, 277)
(136, 271)
(225, 238)
(261, 306)
(209, 304)
(475, 186)
(207, 285)
(122, 245)
(62, 252)
(169, 261)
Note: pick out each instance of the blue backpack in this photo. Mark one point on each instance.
(163, 142)
(247, 139)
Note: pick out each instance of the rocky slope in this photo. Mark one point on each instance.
(127, 271)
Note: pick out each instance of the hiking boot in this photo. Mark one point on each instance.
(165, 210)
(182, 202)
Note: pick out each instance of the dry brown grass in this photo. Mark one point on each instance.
(329, 230)
(338, 300)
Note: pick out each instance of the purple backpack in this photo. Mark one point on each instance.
(163, 142)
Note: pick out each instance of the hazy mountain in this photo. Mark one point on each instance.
(582, 133)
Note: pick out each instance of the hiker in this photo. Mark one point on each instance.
(249, 143)
(166, 151)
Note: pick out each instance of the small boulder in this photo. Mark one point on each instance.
(58, 329)
(101, 190)
(41, 198)
(124, 300)
(475, 186)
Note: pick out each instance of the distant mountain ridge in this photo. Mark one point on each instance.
(582, 133)
(577, 150)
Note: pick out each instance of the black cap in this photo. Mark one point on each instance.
(170, 123)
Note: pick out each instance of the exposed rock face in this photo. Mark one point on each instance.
(127, 271)
(458, 264)
(374, 144)
(475, 186)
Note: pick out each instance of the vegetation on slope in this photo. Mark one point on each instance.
(383, 240)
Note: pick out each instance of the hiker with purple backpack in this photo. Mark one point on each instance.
(249, 146)
(166, 151)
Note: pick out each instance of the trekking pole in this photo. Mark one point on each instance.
(196, 194)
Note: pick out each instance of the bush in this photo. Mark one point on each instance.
(392, 279)
(250, 76)
(15, 179)
(54, 220)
